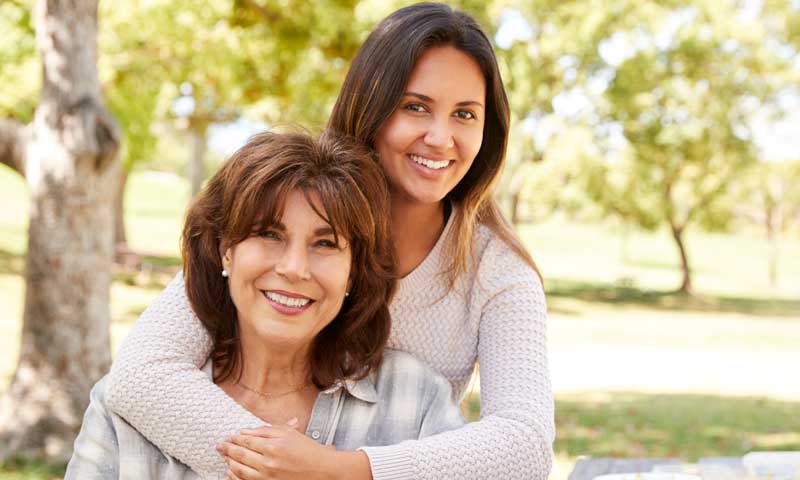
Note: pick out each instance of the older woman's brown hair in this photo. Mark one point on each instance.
(247, 194)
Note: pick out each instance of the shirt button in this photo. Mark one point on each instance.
(315, 434)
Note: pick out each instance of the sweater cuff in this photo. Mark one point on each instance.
(389, 463)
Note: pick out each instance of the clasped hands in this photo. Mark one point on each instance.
(276, 452)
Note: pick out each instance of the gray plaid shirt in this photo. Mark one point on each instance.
(404, 400)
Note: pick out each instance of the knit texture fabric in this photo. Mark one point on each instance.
(496, 314)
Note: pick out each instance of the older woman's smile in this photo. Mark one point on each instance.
(287, 302)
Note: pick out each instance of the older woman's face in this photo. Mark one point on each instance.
(428, 144)
(289, 281)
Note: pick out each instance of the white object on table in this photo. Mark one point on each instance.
(775, 465)
(648, 476)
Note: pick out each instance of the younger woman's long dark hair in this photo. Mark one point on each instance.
(375, 85)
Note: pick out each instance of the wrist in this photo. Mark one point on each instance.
(348, 465)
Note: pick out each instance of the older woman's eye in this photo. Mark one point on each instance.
(325, 243)
(270, 234)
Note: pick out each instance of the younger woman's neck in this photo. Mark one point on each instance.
(416, 228)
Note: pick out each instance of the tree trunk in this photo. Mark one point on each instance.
(65, 334)
(197, 168)
(772, 238)
(625, 243)
(515, 207)
(120, 239)
(677, 235)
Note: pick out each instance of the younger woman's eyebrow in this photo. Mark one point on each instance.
(425, 98)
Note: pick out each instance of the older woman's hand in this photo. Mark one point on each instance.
(281, 452)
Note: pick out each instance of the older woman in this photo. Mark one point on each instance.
(288, 265)
(424, 91)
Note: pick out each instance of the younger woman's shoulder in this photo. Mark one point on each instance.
(497, 263)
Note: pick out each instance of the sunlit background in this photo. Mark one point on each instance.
(641, 130)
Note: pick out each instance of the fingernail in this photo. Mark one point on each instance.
(293, 421)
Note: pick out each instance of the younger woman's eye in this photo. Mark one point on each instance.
(465, 115)
(415, 107)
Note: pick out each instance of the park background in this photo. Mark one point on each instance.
(653, 172)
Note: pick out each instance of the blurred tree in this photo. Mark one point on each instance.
(170, 61)
(667, 88)
(769, 196)
(686, 82)
(68, 156)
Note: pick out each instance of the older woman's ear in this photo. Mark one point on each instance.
(225, 256)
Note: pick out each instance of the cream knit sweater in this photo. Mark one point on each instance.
(495, 315)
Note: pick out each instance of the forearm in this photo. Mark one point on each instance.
(157, 386)
(494, 447)
(346, 465)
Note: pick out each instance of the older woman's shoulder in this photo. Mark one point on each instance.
(401, 370)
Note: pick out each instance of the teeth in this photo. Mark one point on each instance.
(287, 301)
(430, 163)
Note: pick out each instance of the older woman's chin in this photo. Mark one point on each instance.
(282, 337)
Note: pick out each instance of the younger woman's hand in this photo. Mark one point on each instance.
(276, 452)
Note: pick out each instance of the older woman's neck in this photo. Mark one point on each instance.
(273, 369)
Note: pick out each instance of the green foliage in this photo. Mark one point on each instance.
(768, 194)
(683, 111)
(20, 75)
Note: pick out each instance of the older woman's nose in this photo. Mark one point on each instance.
(293, 264)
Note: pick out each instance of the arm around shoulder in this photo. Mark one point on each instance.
(514, 437)
(157, 386)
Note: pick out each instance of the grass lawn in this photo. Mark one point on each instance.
(637, 370)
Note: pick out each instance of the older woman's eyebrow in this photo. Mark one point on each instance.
(322, 231)
(425, 98)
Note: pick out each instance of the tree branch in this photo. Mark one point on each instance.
(267, 15)
(13, 135)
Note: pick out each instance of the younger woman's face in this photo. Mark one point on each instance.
(430, 141)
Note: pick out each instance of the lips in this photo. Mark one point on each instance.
(430, 163)
(287, 302)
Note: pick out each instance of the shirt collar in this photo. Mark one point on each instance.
(363, 389)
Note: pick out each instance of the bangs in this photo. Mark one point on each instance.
(259, 206)
(333, 207)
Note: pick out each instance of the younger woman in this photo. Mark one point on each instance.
(424, 92)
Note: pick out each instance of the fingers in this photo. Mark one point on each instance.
(294, 423)
(231, 476)
(238, 471)
(264, 432)
(243, 452)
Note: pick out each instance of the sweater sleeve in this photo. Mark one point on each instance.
(514, 437)
(156, 385)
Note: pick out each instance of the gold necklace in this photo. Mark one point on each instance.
(273, 396)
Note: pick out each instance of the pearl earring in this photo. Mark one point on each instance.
(346, 294)
(224, 273)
